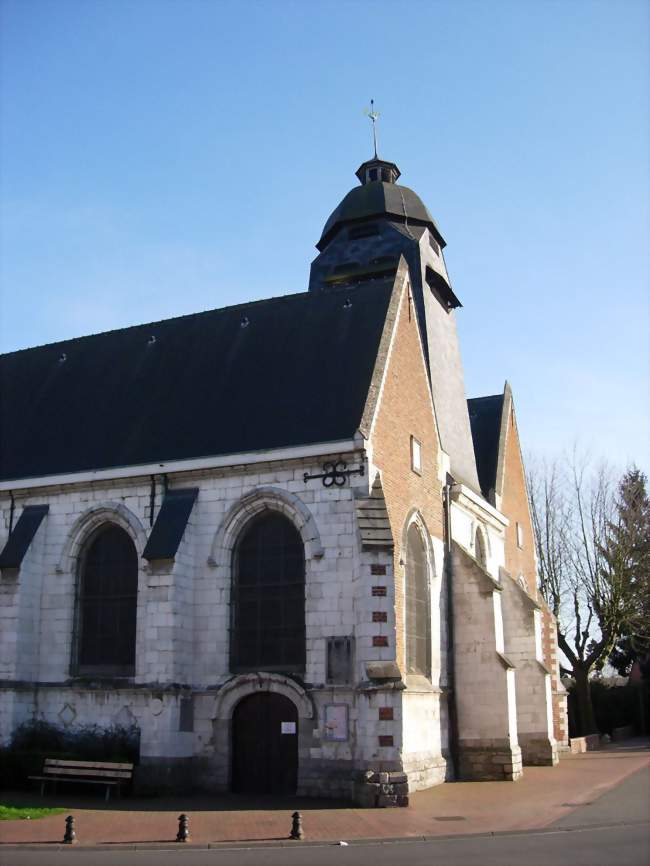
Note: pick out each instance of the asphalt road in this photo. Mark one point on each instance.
(614, 830)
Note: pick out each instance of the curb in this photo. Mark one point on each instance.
(321, 843)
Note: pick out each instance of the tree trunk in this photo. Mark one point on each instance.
(586, 722)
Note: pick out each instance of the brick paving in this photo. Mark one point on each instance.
(543, 796)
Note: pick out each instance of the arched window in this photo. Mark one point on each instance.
(479, 548)
(417, 610)
(268, 597)
(106, 604)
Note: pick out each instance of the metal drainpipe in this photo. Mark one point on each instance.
(152, 499)
(451, 661)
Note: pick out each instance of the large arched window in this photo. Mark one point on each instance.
(417, 610)
(268, 597)
(106, 604)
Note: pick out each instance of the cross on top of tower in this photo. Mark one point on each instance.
(374, 117)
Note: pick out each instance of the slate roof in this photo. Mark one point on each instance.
(379, 199)
(282, 372)
(485, 421)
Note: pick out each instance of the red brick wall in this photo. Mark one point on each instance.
(405, 410)
(514, 504)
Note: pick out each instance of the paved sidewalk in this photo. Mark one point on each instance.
(545, 795)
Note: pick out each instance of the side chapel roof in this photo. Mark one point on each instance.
(488, 418)
(282, 372)
(485, 422)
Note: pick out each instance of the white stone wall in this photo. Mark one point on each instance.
(523, 648)
(182, 634)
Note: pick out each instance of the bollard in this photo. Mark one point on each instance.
(296, 826)
(70, 837)
(183, 834)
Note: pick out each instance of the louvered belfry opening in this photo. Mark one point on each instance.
(417, 607)
(107, 604)
(268, 597)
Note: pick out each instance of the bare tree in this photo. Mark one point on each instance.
(584, 567)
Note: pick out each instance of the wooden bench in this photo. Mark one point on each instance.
(86, 772)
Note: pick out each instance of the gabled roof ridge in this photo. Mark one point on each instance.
(486, 397)
(278, 299)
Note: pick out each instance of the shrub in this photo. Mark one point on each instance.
(36, 740)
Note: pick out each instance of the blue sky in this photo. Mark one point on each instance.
(160, 157)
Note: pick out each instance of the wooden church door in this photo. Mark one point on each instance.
(265, 745)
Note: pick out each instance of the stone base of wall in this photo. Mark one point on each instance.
(590, 743)
(537, 750)
(163, 775)
(425, 771)
(320, 777)
(489, 761)
(381, 790)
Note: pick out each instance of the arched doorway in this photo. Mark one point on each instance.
(265, 745)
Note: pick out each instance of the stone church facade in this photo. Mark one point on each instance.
(277, 539)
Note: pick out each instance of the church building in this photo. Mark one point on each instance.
(277, 539)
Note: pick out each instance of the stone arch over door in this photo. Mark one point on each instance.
(241, 687)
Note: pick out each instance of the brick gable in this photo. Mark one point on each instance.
(520, 560)
(404, 410)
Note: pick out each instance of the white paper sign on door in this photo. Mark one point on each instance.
(287, 727)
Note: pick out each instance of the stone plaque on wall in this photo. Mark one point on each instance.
(335, 726)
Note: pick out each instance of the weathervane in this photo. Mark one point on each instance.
(373, 115)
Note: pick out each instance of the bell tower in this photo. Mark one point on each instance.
(362, 240)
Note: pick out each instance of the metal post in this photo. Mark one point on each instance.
(296, 826)
(70, 837)
(183, 834)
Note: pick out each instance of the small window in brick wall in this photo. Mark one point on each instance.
(416, 455)
(339, 660)
(520, 535)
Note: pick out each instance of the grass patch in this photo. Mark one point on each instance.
(15, 813)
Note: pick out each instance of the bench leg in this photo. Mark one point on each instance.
(108, 793)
